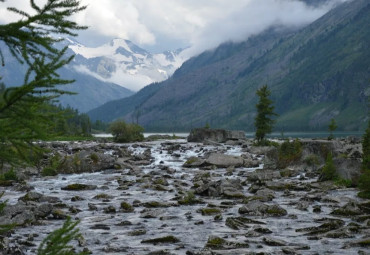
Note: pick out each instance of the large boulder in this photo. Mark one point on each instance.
(25, 213)
(223, 160)
(200, 135)
(222, 188)
(86, 161)
(348, 169)
(257, 208)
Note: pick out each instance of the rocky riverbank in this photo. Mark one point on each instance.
(179, 197)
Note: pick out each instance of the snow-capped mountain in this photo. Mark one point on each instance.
(124, 63)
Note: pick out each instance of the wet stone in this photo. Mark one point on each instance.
(257, 208)
(100, 226)
(165, 239)
(110, 209)
(240, 222)
(138, 232)
(79, 187)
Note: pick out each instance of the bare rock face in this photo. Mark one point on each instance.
(200, 135)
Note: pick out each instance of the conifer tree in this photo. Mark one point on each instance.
(58, 241)
(265, 110)
(364, 183)
(332, 127)
(24, 108)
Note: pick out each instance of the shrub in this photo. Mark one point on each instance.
(312, 160)
(52, 168)
(266, 142)
(289, 152)
(9, 176)
(94, 157)
(332, 127)
(125, 133)
(328, 172)
(343, 182)
(49, 171)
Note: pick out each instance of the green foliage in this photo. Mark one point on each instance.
(312, 160)
(343, 182)
(57, 242)
(364, 183)
(332, 127)
(52, 168)
(366, 149)
(9, 176)
(25, 112)
(189, 199)
(289, 152)
(210, 211)
(265, 110)
(99, 125)
(69, 122)
(328, 172)
(124, 133)
(215, 242)
(94, 157)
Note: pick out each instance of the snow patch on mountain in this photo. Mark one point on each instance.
(124, 63)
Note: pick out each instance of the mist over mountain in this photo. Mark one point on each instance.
(315, 73)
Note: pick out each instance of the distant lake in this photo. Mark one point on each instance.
(339, 134)
(272, 135)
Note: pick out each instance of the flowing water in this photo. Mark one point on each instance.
(111, 232)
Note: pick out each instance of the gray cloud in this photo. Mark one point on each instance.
(199, 24)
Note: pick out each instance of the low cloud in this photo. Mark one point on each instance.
(131, 82)
(253, 18)
(198, 25)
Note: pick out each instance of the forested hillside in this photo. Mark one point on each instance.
(316, 73)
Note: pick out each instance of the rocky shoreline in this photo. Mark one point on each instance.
(179, 197)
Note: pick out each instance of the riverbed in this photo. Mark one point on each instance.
(117, 232)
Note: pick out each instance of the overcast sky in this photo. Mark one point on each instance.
(159, 25)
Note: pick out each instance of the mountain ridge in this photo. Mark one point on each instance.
(308, 72)
(92, 68)
(122, 62)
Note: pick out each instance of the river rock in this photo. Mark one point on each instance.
(86, 161)
(40, 198)
(223, 160)
(226, 188)
(25, 213)
(349, 210)
(273, 241)
(240, 222)
(328, 225)
(218, 243)
(194, 162)
(257, 208)
(200, 135)
(348, 168)
(264, 195)
(79, 187)
(262, 175)
(150, 213)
